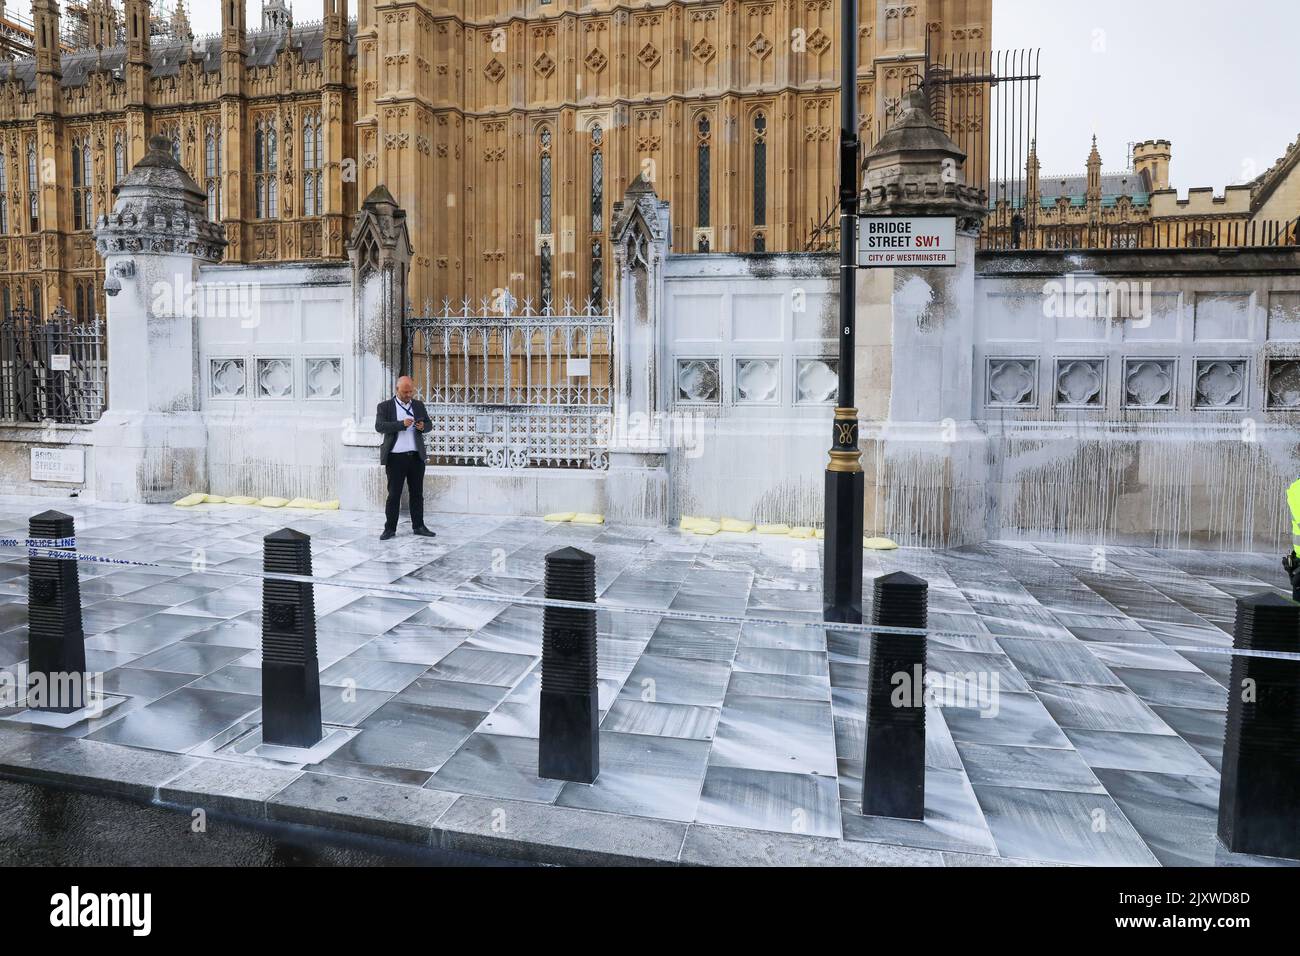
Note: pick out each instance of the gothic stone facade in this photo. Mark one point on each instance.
(262, 120)
(505, 129)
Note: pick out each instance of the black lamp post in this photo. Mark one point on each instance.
(842, 562)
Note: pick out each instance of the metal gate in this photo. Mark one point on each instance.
(514, 390)
(52, 369)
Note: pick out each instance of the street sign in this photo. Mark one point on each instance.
(893, 241)
(59, 464)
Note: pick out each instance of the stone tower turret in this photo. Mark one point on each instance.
(1153, 156)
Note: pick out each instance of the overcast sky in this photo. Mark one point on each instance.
(1220, 79)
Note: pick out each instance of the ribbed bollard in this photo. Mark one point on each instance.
(893, 773)
(1259, 788)
(290, 673)
(568, 732)
(56, 644)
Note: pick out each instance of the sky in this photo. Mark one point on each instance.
(1219, 79)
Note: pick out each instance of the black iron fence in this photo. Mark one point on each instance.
(987, 103)
(52, 369)
(1020, 231)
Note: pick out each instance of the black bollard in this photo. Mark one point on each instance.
(290, 673)
(568, 733)
(1259, 788)
(56, 644)
(893, 773)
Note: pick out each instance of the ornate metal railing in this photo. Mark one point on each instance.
(511, 389)
(52, 369)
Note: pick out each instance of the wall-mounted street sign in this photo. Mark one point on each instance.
(59, 464)
(891, 241)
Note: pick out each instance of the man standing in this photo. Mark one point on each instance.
(402, 420)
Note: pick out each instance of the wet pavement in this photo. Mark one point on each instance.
(1097, 690)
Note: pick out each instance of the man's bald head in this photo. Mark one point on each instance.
(405, 388)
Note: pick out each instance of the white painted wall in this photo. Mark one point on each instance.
(275, 378)
(762, 328)
(1178, 473)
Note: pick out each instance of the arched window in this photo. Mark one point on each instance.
(760, 182)
(544, 178)
(703, 147)
(85, 296)
(33, 197)
(312, 200)
(597, 214)
(597, 179)
(544, 210)
(212, 170)
(4, 196)
(119, 157)
(36, 298)
(266, 163)
(172, 131)
(82, 176)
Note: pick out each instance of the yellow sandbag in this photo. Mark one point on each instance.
(774, 529)
(688, 522)
(189, 501)
(560, 516)
(331, 505)
(583, 517)
(301, 503)
(818, 533)
(879, 544)
(705, 526)
(801, 532)
(241, 500)
(735, 524)
(214, 500)
(270, 501)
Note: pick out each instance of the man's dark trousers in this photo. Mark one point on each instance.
(405, 467)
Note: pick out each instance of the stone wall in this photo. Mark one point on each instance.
(275, 377)
(750, 346)
(1168, 419)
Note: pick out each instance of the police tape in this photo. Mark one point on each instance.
(38, 542)
(432, 593)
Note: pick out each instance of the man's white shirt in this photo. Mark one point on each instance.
(406, 438)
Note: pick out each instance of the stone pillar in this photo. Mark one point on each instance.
(151, 443)
(637, 488)
(380, 249)
(925, 459)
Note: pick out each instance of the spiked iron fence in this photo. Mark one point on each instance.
(987, 103)
(52, 369)
(514, 389)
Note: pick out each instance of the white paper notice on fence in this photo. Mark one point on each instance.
(60, 363)
(579, 367)
(59, 464)
(887, 241)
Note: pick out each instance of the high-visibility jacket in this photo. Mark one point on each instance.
(1293, 499)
